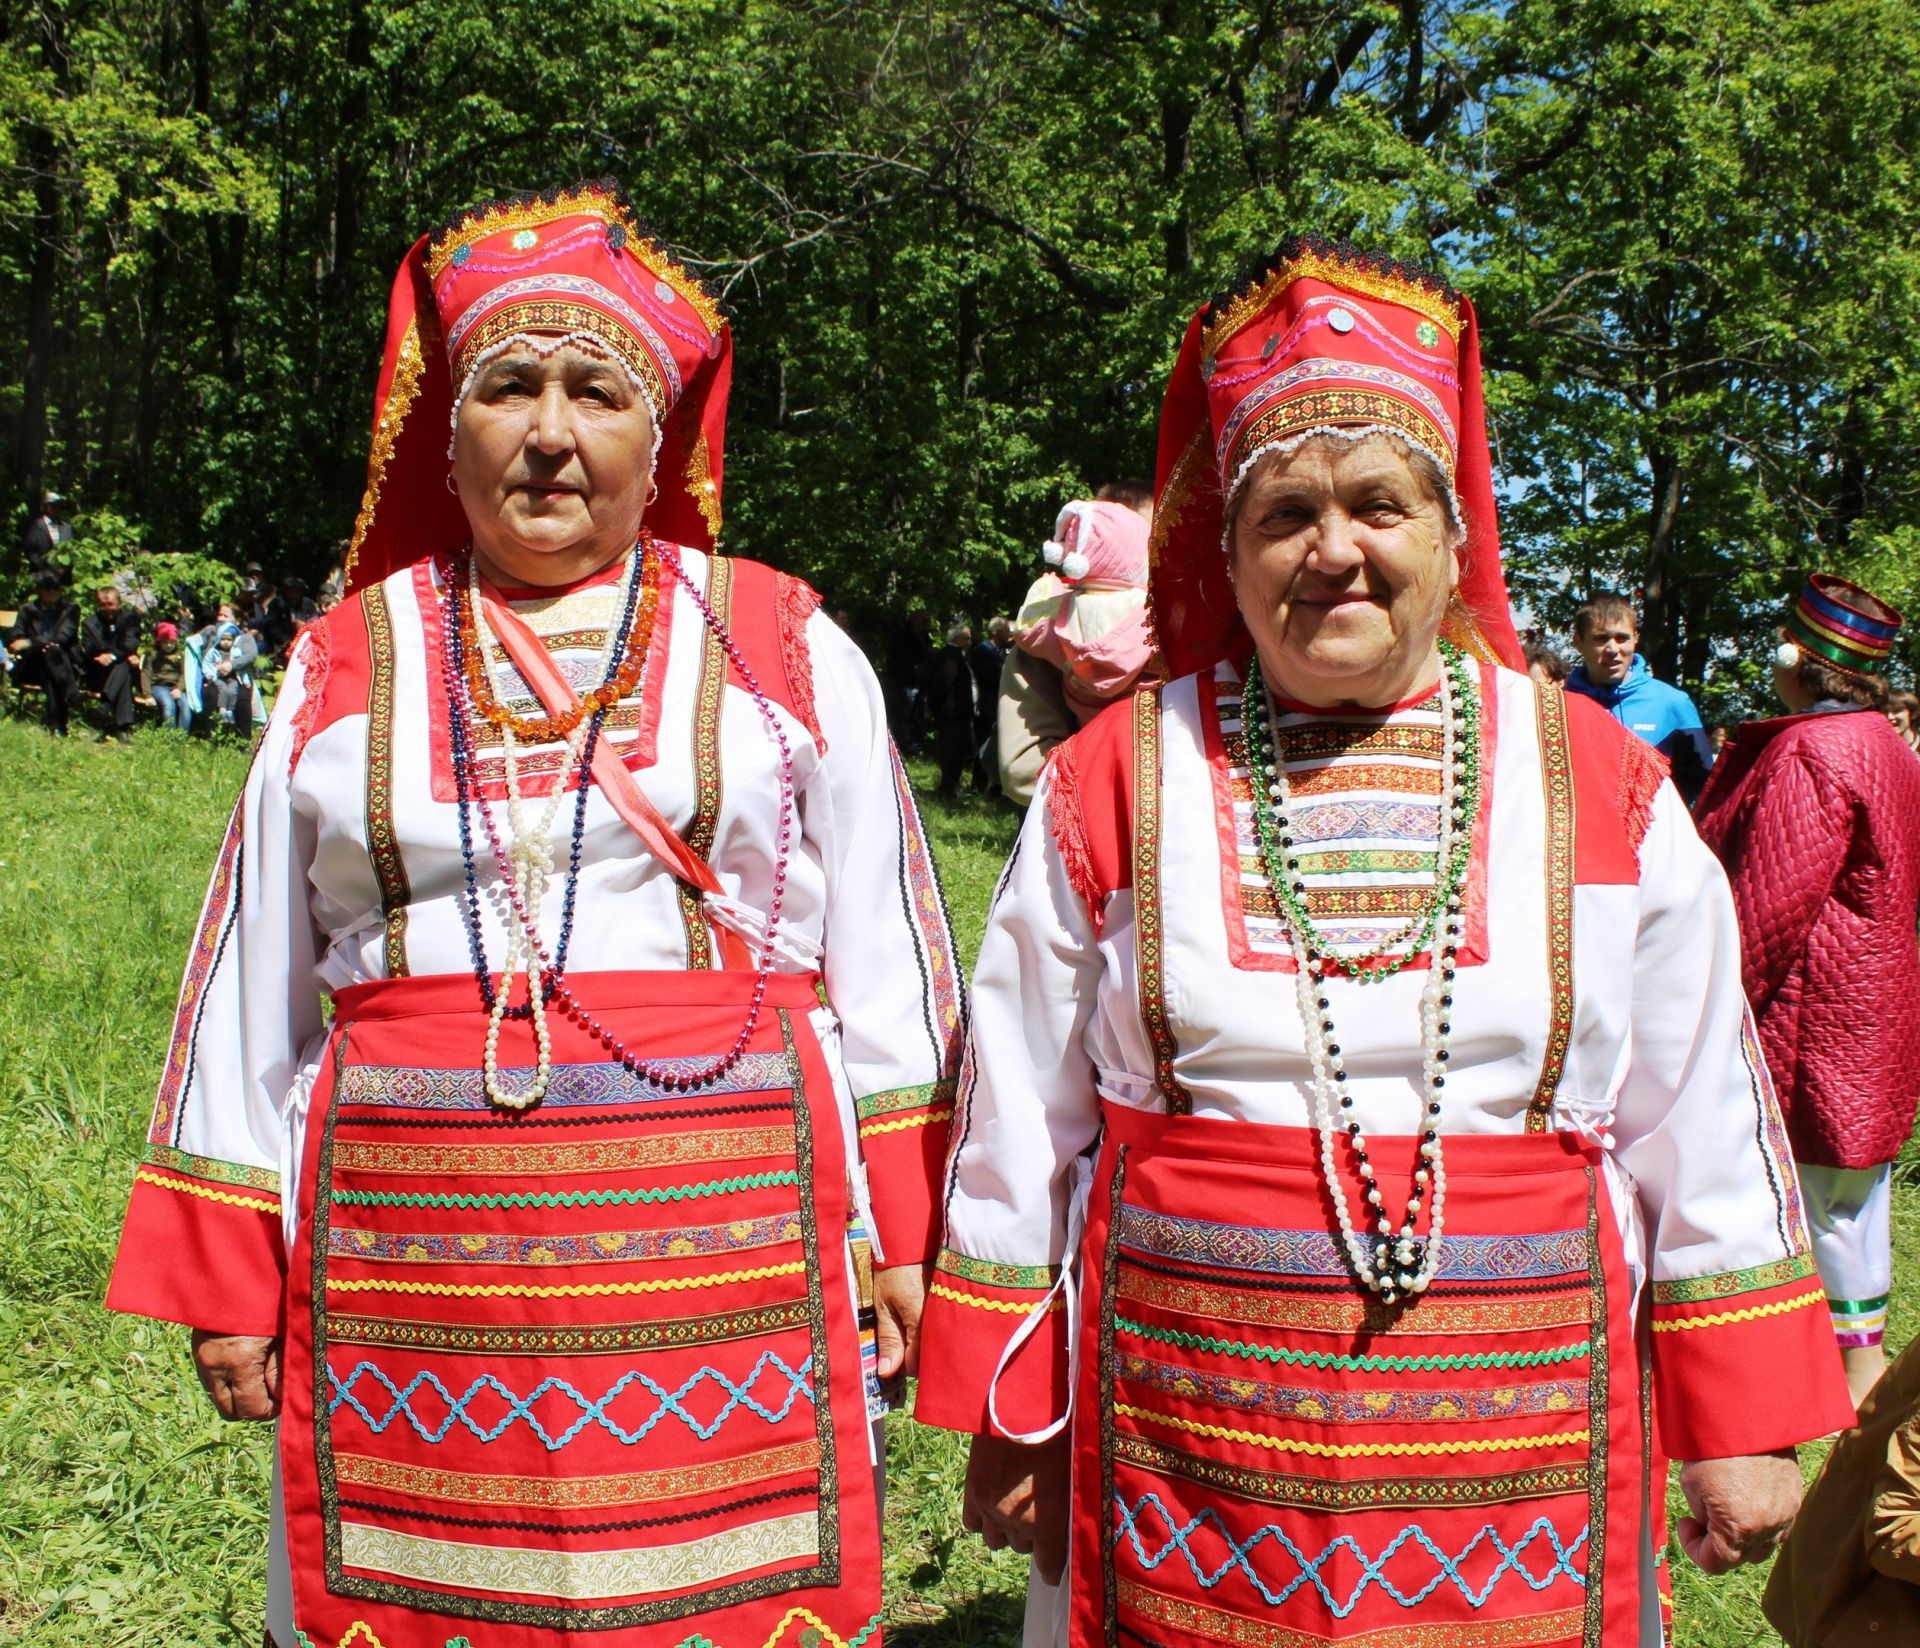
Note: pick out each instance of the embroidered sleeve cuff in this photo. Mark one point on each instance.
(973, 1309)
(202, 1245)
(1713, 1336)
(903, 1142)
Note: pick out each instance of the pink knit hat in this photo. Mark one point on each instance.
(1099, 543)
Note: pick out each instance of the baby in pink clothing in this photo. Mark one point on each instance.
(1089, 617)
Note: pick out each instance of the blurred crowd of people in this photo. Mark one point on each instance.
(196, 661)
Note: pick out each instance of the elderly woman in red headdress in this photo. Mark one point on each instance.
(571, 1024)
(1360, 1104)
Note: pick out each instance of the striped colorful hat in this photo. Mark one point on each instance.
(1841, 624)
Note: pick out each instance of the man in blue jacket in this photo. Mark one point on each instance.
(1613, 674)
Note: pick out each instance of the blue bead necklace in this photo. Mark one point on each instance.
(460, 739)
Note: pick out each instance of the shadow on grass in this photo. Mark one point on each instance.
(990, 1621)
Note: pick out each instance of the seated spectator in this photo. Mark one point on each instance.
(227, 673)
(40, 646)
(282, 616)
(166, 677)
(1612, 672)
(1544, 664)
(333, 587)
(110, 658)
(1849, 1573)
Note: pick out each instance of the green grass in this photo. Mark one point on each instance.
(129, 1515)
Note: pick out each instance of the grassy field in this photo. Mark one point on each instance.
(130, 1515)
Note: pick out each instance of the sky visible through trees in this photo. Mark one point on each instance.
(960, 240)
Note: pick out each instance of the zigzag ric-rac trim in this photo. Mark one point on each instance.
(1355, 1364)
(1752, 1313)
(578, 1290)
(1353, 1450)
(562, 1198)
(1008, 1307)
(206, 1193)
(926, 1118)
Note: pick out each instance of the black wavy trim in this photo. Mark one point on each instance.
(607, 188)
(1343, 252)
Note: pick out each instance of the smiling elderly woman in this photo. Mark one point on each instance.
(550, 1247)
(1357, 1033)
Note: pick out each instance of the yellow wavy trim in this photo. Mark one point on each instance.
(579, 1290)
(1010, 1307)
(401, 394)
(1353, 1450)
(829, 1638)
(225, 1198)
(1347, 277)
(926, 1119)
(1752, 1313)
(360, 1632)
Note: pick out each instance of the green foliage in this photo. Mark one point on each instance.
(107, 548)
(961, 238)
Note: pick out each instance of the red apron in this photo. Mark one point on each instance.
(590, 1368)
(1262, 1455)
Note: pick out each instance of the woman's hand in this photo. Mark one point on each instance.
(1017, 1496)
(899, 1296)
(1742, 1508)
(241, 1373)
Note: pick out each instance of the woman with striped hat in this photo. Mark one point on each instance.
(1816, 816)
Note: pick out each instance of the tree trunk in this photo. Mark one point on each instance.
(146, 418)
(37, 369)
(1658, 617)
(226, 236)
(36, 372)
(1176, 143)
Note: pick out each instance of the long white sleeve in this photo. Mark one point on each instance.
(203, 1242)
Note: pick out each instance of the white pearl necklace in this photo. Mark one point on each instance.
(1390, 1265)
(530, 853)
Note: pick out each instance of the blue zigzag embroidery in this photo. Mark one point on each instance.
(1372, 1567)
(591, 1413)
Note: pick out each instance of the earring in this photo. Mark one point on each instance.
(653, 490)
(450, 486)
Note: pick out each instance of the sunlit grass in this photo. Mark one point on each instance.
(129, 1515)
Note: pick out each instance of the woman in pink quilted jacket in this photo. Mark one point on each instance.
(1816, 816)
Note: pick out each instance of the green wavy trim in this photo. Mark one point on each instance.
(1365, 1364)
(896, 1099)
(1726, 1284)
(212, 1168)
(1037, 1278)
(563, 1198)
(698, 1641)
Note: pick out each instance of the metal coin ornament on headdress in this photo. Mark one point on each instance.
(1365, 343)
(596, 278)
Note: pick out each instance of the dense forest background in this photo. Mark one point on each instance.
(960, 239)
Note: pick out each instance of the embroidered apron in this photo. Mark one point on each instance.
(1264, 1454)
(590, 1368)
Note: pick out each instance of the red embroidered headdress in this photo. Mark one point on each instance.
(1319, 337)
(573, 263)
